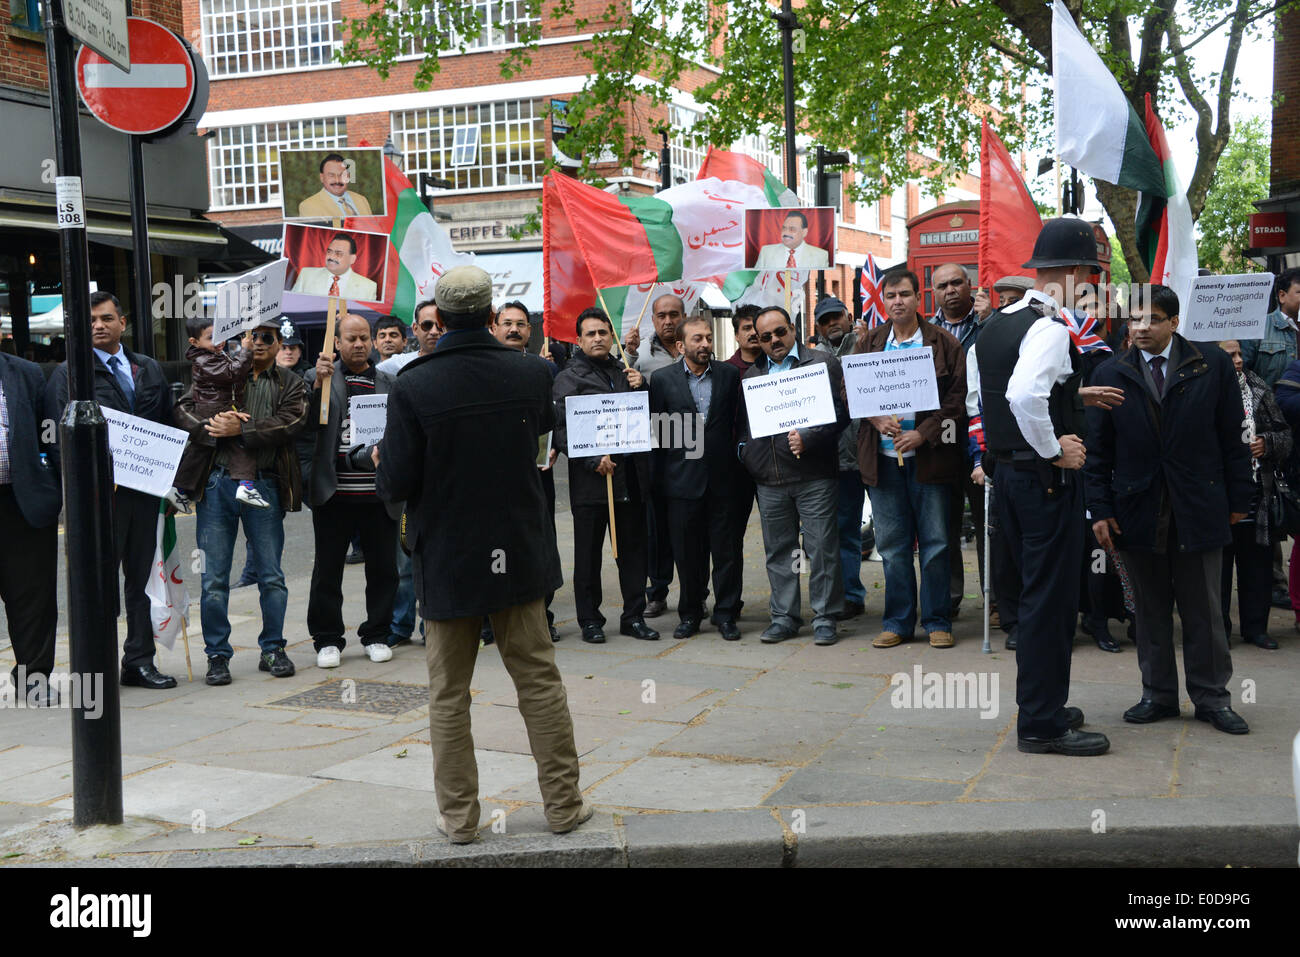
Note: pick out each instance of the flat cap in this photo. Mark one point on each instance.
(464, 290)
(1017, 283)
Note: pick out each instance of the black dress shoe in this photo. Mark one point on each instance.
(593, 634)
(1106, 642)
(1075, 744)
(147, 676)
(655, 607)
(1073, 718)
(1011, 640)
(1146, 711)
(1224, 719)
(851, 610)
(638, 629)
(729, 630)
(555, 635)
(1281, 598)
(688, 627)
(1260, 641)
(487, 635)
(218, 671)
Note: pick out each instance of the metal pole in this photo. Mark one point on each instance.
(142, 279)
(988, 563)
(87, 476)
(821, 199)
(788, 23)
(665, 162)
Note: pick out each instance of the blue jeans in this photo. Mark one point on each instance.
(404, 602)
(905, 511)
(219, 514)
(849, 518)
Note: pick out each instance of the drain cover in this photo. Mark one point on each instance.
(351, 694)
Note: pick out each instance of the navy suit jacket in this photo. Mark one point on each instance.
(35, 485)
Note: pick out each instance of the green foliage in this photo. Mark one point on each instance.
(1242, 178)
(1119, 273)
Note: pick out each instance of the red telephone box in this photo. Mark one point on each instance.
(946, 234)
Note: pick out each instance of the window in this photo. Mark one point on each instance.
(243, 161)
(26, 15)
(257, 36)
(686, 151)
(476, 146)
(761, 148)
(502, 23)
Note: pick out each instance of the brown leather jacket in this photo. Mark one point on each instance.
(219, 380)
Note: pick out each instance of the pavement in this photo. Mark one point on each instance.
(694, 752)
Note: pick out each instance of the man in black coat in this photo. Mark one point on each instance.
(694, 469)
(126, 382)
(460, 449)
(1167, 476)
(592, 371)
(30, 501)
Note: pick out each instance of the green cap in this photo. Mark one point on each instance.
(464, 290)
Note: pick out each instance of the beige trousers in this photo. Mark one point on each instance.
(524, 641)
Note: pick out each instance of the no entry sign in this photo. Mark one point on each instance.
(153, 95)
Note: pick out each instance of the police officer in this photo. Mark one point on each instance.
(1029, 385)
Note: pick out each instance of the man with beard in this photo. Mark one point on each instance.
(747, 347)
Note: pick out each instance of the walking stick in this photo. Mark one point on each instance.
(185, 636)
(613, 532)
(988, 564)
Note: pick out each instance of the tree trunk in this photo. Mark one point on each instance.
(1121, 204)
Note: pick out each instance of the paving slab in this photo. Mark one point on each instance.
(346, 812)
(687, 784)
(759, 734)
(816, 785)
(833, 692)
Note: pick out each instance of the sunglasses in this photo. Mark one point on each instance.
(265, 338)
(778, 333)
(427, 325)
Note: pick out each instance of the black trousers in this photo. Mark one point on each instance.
(135, 533)
(548, 486)
(702, 529)
(963, 492)
(659, 548)
(1004, 579)
(589, 524)
(1044, 528)
(334, 524)
(1254, 580)
(29, 563)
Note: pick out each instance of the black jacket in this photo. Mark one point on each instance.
(35, 484)
(1187, 446)
(769, 459)
(584, 376)
(714, 472)
(460, 449)
(318, 445)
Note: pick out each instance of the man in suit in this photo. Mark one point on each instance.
(694, 469)
(336, 277)
(126, 382)
(30, 501)
(335, 200)
(1168, 475)
(792, 252)
(460, 450)
(591, 371)
(340, 480)
(797, 474)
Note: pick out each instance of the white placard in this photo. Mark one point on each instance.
(246, 300)
(1227, 307)
(369, 415)
(900, 382)
(608, 423)
(798, 399)
(145, 454)
(102, 26)
(68, 204)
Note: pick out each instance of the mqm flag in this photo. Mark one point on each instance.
(629, 306)
(1083, 332)
(873, 304)
(1097, 130)
(169, 601)
(419, 251)
(1009, 220)
(1164, 225)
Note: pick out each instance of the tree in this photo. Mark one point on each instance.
(1242, 179)
(887, 80)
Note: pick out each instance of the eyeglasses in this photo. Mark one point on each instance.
(427, 325)
(1146, 322)
(778, 333)
(265, 338)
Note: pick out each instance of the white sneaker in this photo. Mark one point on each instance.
(328, 657)
(379, 652)
(179, 501)
(251, 496)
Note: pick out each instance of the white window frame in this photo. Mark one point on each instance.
(256, 148)
(255, 37)
(426, 137)
(502, 20)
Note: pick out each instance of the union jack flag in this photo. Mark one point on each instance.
(873, 306)
(1084, 334)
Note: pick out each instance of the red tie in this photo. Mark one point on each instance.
(789, 263)
(334, 287)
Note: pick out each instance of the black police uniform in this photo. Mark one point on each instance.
(1040, 511)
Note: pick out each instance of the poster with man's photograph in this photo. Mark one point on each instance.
(332, 183)
(790, 238)
(329, 262)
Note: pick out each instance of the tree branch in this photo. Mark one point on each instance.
(1214, 28)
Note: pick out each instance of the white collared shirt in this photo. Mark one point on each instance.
(1044, 362)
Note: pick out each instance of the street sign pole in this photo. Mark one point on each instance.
(87, 473)
(141, 290)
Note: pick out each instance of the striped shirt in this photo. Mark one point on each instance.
(4, 438)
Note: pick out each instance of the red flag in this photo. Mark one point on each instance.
(1009, 220)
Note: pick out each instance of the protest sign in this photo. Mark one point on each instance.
(1227, 307)
(608, 423)
(369, 415)
(246, 300)
(798, 399)
(900, 382)
(145, 454)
